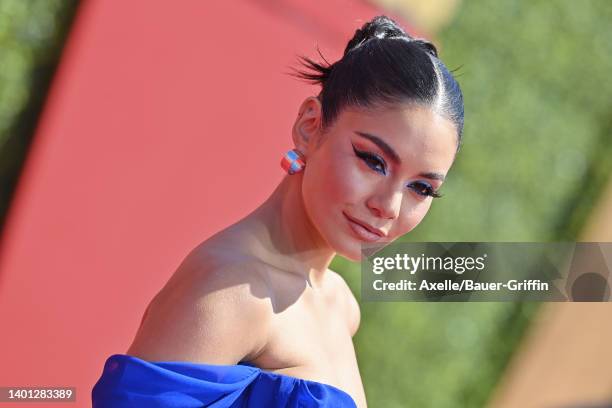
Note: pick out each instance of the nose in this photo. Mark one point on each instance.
(386, 204)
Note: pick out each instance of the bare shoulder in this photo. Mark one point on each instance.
(353, 311)
(211, 311)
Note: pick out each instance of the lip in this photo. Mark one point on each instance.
(370, 233)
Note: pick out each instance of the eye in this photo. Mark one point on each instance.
(372, 160)
(424, 189)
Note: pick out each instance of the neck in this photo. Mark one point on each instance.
(289, 240)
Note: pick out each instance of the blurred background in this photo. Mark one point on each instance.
(119, 122)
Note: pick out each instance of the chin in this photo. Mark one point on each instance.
(371, 249)
(349, 250)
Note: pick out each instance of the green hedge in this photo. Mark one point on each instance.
(32, 34)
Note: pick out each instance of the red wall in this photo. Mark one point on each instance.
(164, 124)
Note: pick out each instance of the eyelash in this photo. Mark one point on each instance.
(372, 161)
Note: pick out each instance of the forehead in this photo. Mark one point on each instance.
(415, 132)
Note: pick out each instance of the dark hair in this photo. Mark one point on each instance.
(382, 65)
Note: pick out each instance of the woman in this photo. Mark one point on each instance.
(253, 316)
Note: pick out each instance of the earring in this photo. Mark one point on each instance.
(293, 161)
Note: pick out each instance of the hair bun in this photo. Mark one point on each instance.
(384, 27)
(378, 27)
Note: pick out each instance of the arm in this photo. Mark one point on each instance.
(216, 316)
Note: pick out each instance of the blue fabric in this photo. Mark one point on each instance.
(128, 381)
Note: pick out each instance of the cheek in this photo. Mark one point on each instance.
(332, 181)
(410, 217)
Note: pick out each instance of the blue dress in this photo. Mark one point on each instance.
(129, 381)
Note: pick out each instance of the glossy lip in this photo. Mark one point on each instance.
(373, 230)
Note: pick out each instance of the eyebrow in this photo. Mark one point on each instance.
(388, 150)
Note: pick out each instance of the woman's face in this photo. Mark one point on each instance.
(375, 170)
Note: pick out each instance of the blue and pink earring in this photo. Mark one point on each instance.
(293, 161)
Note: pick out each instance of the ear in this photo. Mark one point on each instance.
(306, 129)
